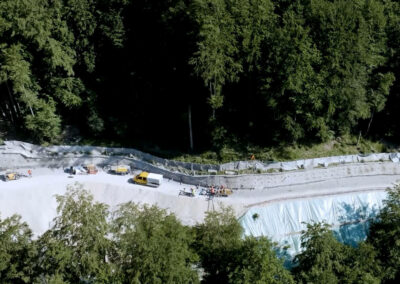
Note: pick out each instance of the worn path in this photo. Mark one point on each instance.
(34, 198)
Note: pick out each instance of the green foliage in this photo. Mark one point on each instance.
(139, 245)
(215, 60)
(345, 145)
(292, 71)
(54, 279)
(229, 42)
(326, 260)
(255, 261)
(77, 246)
(44, 124)
(216, 241)
(95, 122)
(151, 246)
(142, 244)
(390, 118)
(42, 48)
(271, 71)
(219, 136)
(16, 251)
(365, 266)
(328, 67)
(228, 258)
(384, 234)
(255, 216)
(319, 74)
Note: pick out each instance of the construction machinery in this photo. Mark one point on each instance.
(8, 176)
(120, 170)
(91, 169)
(77, 170)
(145, 178)
(190, 193)
(82, 170)
(224, 192)
(217, 192)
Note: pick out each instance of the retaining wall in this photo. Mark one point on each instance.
(30, 150)
(17, 154)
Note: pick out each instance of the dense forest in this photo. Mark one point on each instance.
(237, 71)
(88, 243)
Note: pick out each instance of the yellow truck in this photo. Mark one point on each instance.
(120, 170)
(145, 178)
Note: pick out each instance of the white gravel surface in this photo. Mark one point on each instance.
(34, 198)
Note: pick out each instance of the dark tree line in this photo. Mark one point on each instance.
(87, 243)
(257, 71)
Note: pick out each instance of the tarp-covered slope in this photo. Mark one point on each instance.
(282, 222)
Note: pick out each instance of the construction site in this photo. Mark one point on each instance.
(275, 201)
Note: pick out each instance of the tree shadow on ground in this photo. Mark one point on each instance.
(355, 223)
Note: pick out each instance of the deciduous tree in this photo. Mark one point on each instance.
(152, 246)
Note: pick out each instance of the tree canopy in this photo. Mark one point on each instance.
(151, 246)
(88, 243)
(384, 234)
(260, 71)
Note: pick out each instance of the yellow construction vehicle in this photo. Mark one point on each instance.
(120, 170)
(11, 176)
(225, 192)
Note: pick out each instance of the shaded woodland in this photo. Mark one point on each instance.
(244, 71)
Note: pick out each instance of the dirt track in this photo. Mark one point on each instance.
(34, 198)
